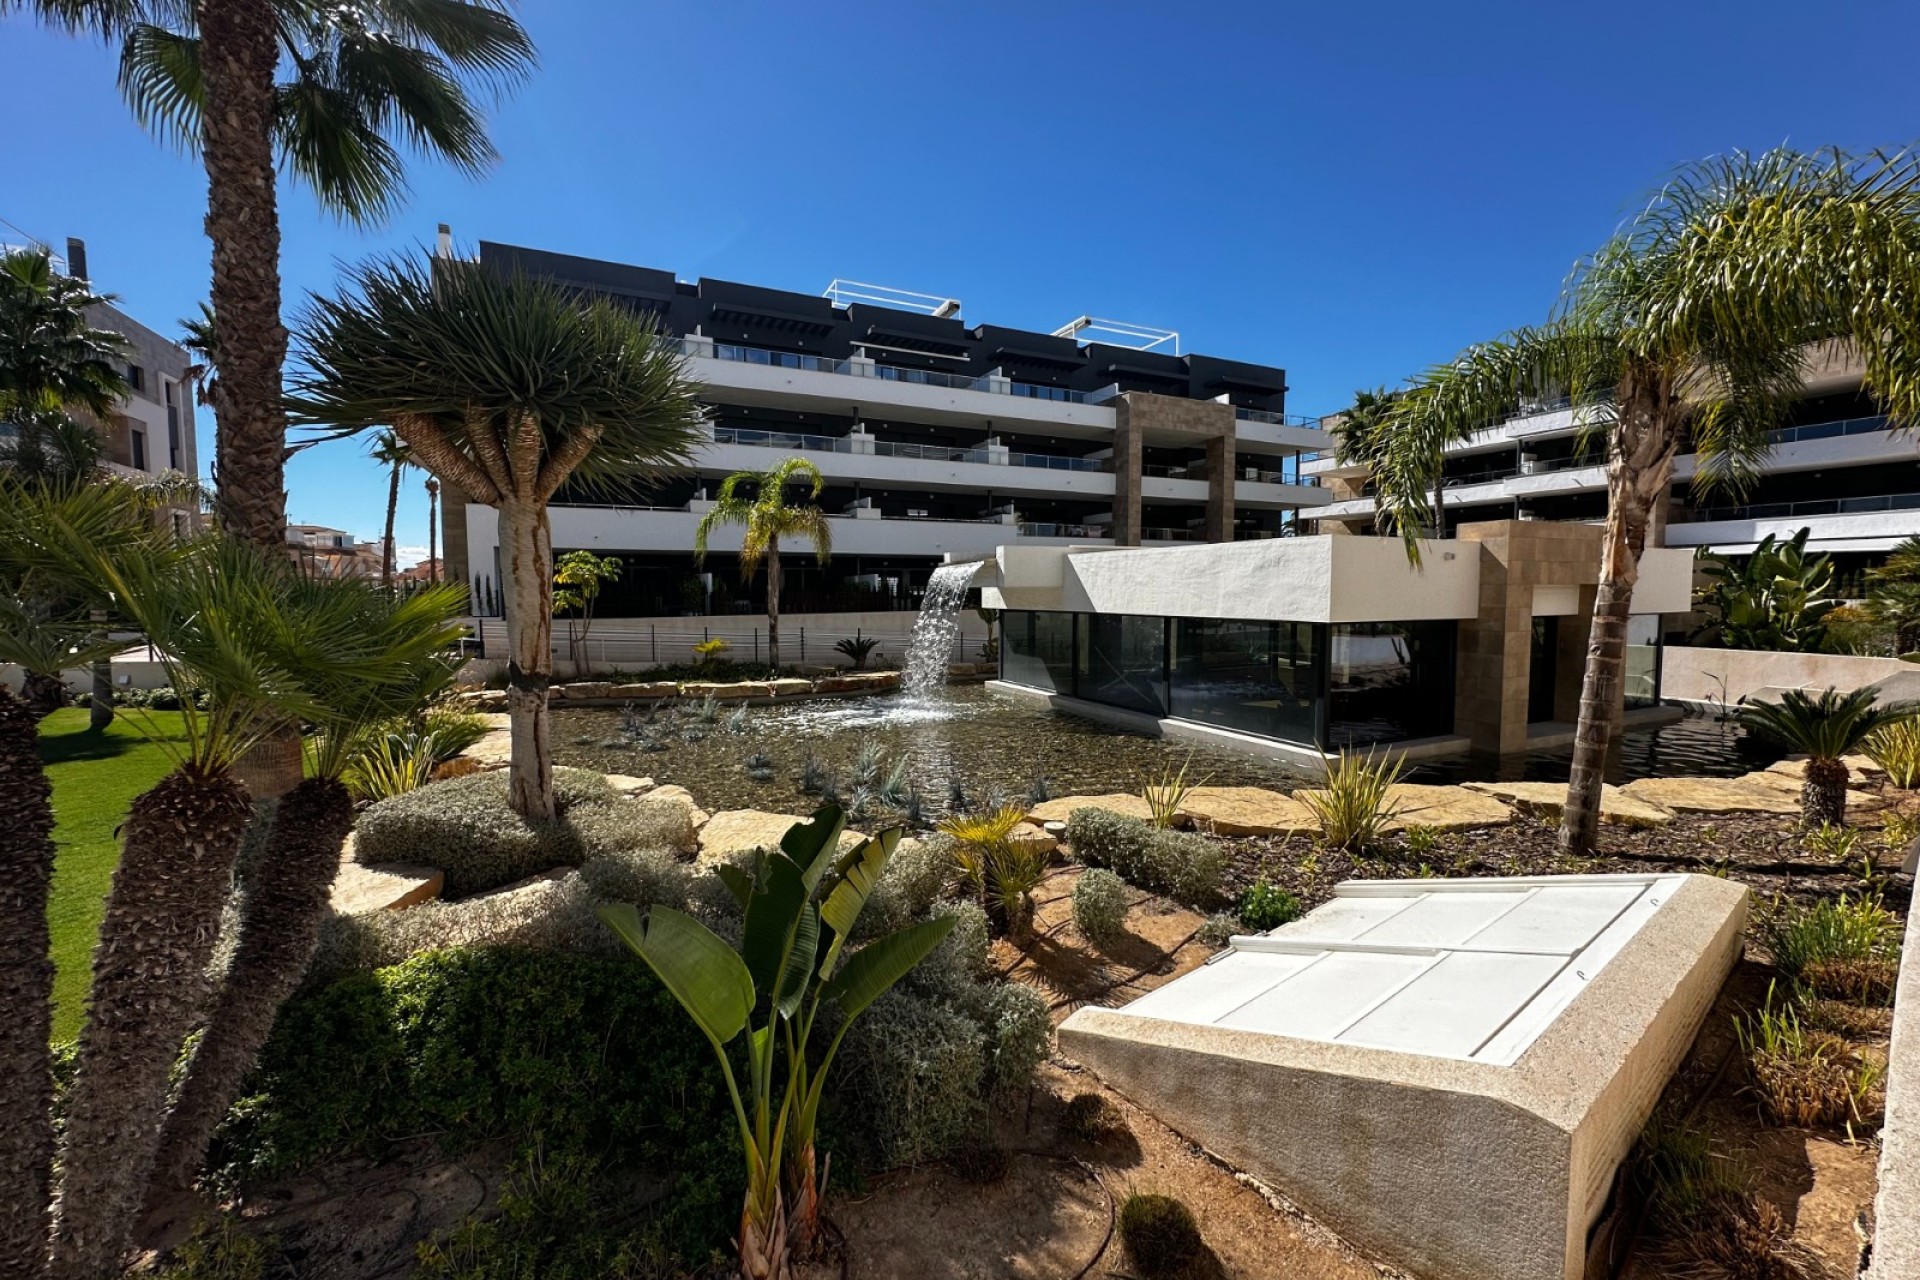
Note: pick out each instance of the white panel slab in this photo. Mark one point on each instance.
(1215, 990)
(1455, 1006)
(1321, 999)
(1443, 919)
(1559, 919)
(1343, 918)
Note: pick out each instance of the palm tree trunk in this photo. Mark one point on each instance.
(100, 697)
(433, 531)
(148, 985)
(393, 505)
(1823, 796)
(1642, 466)
(26, 993)
(528, 538)
(238, 55)
(763, 1242)
(286, 900)
(773, 606)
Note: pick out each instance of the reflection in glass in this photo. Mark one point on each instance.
(1642, 678)
(1037, 649)
(1123, 661)
(1256, 677)
(1389, 681)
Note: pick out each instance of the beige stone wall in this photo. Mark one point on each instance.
(1139, 415)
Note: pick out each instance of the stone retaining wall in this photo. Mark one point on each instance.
(1896, 1208)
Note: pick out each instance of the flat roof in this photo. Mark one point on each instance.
(1473, 969)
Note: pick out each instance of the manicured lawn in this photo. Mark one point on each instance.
(95, 777)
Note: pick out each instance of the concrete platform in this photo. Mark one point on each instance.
(1448, 1072)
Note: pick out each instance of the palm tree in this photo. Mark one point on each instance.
(334, 90)
(391, 452)
(1694, 322)
(286, 894)
(433, 529)
(1824, 726)
(506, 387)
(52, 359)
(1893, 594)
(765, 518)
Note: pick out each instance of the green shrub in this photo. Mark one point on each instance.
(1160, 1234)
(467, 828)
(627, 826)
(1100, 906)
(567, 1055)
(454, 730)
(1090, 1117)
(1218, 929)
(218, 1249)
(1264, 905)
(1833, 843)
(955, 970)
(1847, 948)
(909, 1083)
(1353, 806)
(920, 872)
(1020, 1035)
(1185, 867)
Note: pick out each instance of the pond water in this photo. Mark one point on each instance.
(993, 743)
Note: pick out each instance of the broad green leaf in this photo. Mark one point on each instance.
(739, 882)
(811, 843)
(704, 974)
(860, 870)
(881, 963)
(800, 958)
(772, 914)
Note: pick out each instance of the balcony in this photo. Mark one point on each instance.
(868, 446)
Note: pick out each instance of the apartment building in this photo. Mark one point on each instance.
(335, 553)
(936, 437)
(1835, 467)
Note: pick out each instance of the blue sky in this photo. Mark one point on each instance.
(1348, 190)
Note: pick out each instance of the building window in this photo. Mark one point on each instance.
(1253, 677)
(1122, 661)
(1642, 682)
(1388, 681)
(136, 377)
(172, 391)
(1037, 650)
(138, 441)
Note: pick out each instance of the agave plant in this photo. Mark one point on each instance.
(800, 904)
(1824, 726)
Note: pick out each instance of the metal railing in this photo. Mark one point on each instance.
(979, 454)
(1828, 430)
(617, 645)
(1277, 419)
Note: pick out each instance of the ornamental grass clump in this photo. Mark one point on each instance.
(1160, 1235)
(1843, 949)
(1896, 748)
(1166, 792)
(1806, 1078)
(1000, 871)
(1354, 806)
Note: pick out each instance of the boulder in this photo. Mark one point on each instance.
(647, 689)
(838, 684)
(1060, 810)
(483, 700)
(1713, 795)
(726, 692)
(493, 751)
(1030, 836)
(626, 785)
(1795, 767)
(358, 890)
(1245, 811)
(790, 687)
(582, 690)
(1616, 806)
(672, 793)
(735, 831)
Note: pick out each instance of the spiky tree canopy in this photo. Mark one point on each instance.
(757, 501)
(504, 385)
(1712, 298)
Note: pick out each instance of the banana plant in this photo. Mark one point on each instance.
(772, 990)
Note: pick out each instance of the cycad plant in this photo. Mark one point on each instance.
(506, 388)
(1694, 323)
(330, 93)
(1824, 726)
(757, 502)
(792, 970)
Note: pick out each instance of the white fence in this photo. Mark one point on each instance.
(629, 644)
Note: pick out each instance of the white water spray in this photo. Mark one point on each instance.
(935, 631)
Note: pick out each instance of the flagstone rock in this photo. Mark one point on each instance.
(1246, 811)
(736, 831)
(1616, 806)
(1713, 795)
(1060, 810)
(627, 785)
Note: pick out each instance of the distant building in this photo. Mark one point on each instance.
(335, 553)
(426, 571)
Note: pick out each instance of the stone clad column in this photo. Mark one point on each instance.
(1209, 423)
(1220, 481)
(1126, 472)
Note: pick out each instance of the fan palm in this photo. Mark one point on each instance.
(336, 91)
(391, 452)
(765, 518)
(286, 893)
(505, 387)
(1694, 321)
(1825, 726)
(52, 358)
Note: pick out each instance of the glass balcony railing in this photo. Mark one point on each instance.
(1812, 507)
(735, 353)
(896, 449)
(1828, 430)
(1277, 419)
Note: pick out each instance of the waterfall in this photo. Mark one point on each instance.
(934, 632)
